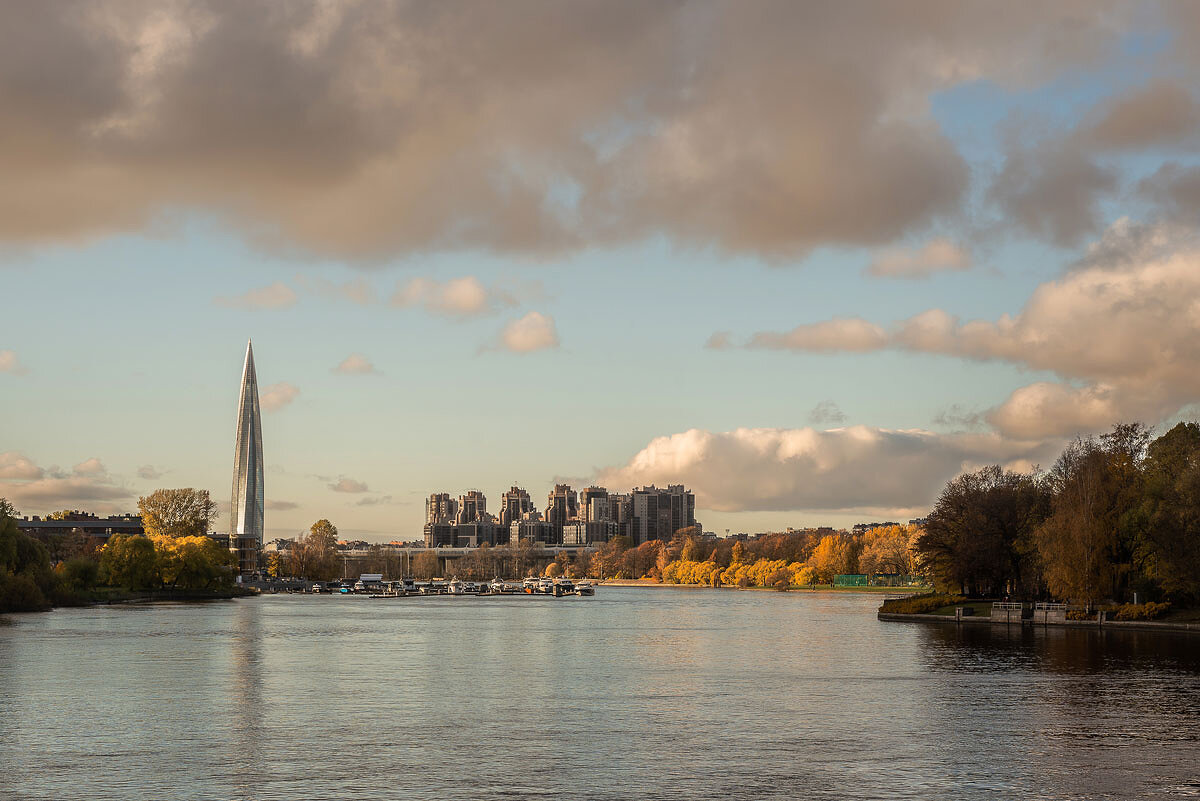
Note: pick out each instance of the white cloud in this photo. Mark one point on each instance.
(10, 364)
(355, 364)
(37, 490)
(273, 296)
(348, 485)
(534, 331)
(935, 256)
(1121, 329)
(276, 396)
(148, 472)
(281, 506)
(840, 333)
(14, 465)
(457, 297)
(1047, 409)
(90, 467)
(774, 469)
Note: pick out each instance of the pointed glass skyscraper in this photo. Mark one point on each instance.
(246, 510)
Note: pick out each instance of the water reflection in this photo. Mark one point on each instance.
(631, 694)
(245, 702)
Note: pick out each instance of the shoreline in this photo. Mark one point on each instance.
(628, 583)
(1119, 625)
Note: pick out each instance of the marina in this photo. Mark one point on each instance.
(373, 586)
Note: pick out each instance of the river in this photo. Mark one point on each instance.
(633, 693)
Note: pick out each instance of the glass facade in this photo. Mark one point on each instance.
(248, 506)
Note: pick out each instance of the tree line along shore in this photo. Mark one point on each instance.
(1114, 524)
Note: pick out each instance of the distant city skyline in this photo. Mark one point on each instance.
(638, 244)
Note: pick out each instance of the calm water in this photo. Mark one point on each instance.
(635, 693)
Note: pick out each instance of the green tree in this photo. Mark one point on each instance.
(130, 561)
(1168, 541)
(193, 563)
(182, 512)
(26, 582)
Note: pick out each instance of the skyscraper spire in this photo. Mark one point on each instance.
(247, 508)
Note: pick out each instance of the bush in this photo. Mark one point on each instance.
(1080, 614)
(1146, 611)
(920, 604)
(20, 593)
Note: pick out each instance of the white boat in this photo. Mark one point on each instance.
(455, 587)
(585, 588)
(497, 585)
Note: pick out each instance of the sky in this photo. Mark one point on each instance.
(811, 260)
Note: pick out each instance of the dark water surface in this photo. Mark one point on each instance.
(635, 693)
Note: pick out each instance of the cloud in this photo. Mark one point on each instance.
(1175, 189)
(277, 396)
(1161, 113)
(826, 413)
(90, 467)
(1121, 328)
(358, 291)
(776, 469)
(10, 364)
(37, 490)
(534, 331)
(148, 472)
(374, 500)
(348, 485)
(718, 341)
(355, 364)
(14, 465)
(457, 297)
(355, 131)
(936, 255)
(281, 506)
(273, 296)
(1053, 191)
(840, 333)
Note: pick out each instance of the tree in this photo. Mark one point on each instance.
(314, 556)
(1087, 543)
(26, 581)
(193, 563)
(887, 549)
(130, 561)
(183, 512)
(425, 565)
(553, 570)
(738, 554)
(977, 539)
(830, 558)
(1168, 547)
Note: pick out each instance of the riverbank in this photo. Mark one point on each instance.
(1118, 625)
(794, 588)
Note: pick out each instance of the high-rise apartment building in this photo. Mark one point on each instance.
(471, 507)
(593, 504)
(562, 505)
(440, 507)
(514, 505)
(659, 513)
